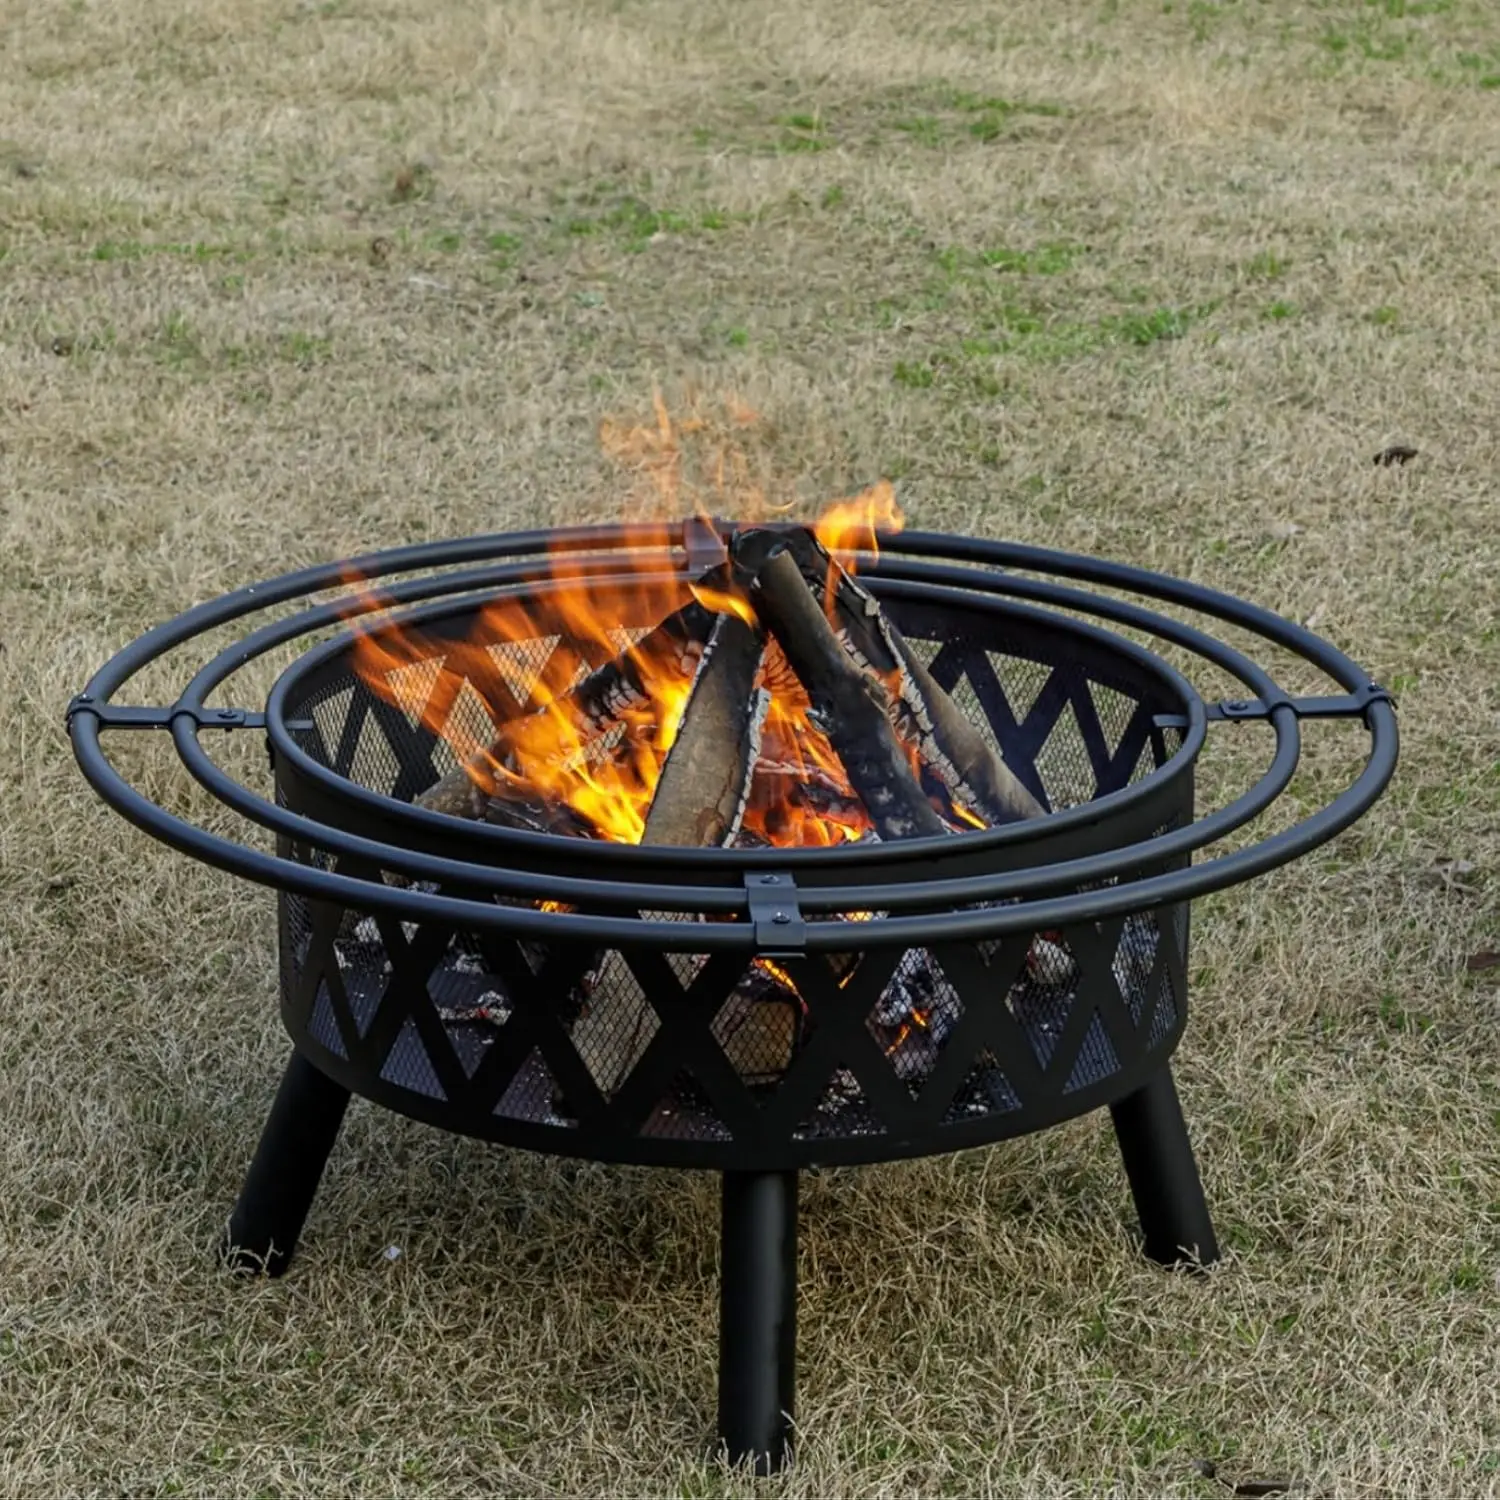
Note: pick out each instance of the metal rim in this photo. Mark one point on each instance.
(910, 561)
(662, 863)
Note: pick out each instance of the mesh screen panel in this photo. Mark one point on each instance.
(679, 1056)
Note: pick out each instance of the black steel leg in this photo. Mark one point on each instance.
(288, 1165)
(1163, 1175)
(758, 1317)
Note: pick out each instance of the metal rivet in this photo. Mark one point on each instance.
(1236, 706)
(769, 880)
(781, 918)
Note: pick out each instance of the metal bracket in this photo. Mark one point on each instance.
(131, 716)
(780, 930)
(704, 546)
(1330, 706)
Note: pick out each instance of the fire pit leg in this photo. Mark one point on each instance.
(758, 1317)
(1163, 1175)
(288, 1165)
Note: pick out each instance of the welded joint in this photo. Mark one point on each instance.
(142, 716)
(1323, 706)
(780, 928)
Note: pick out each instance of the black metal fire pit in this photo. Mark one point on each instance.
(953, 990)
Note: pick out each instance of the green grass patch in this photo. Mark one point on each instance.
(177, 345)
(633, 222)
(801, 132)
(1154, 327)
(1049, 259)
(1266, 266)
(1015, 331)
(949, 116)
(928, 116)
(925, 130)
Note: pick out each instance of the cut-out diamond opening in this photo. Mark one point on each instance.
(984, 1091)
(685, 1112)
(1135, 957)
(760, 1025)
(915, 1016)
(410, 686)
(469, 720)
(1165, 1017)
(408, 1066)
(1042, 999)
(842, 1110)
(1021, 681)
(1063, 764)
(331, 714)
(615, 1026)
(520, 664)
(533, 1096)
(1096, 1058)
(322, 1024)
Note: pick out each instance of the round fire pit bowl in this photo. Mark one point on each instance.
(751, 1009)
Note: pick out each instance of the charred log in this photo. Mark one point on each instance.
(510, 806)
(968, 767)
(853, 708)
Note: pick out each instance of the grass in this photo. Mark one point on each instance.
(280, 282)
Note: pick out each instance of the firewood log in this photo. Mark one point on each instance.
(705, 780)
(951, 747)
(850, 706)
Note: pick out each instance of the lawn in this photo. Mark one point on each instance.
(282, 280)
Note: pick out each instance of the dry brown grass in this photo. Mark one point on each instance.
(389, 331)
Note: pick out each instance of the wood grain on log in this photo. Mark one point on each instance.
(951, 747)
(852, 707)
(705, 780)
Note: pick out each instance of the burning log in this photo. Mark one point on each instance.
(850, 706)
(699, 802)
(784, 794)
(512, 806)
(705, 780)
(758, 1027)
(972, 774)
(601, 699)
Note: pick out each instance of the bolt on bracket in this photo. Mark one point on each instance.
(780, 929)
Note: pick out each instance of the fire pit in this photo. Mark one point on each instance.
(690, 846)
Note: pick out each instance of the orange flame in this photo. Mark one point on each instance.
(501, 699)
(919, 1020)
(849, 527)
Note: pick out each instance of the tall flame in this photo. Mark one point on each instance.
(534, 650)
